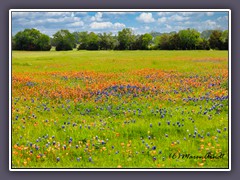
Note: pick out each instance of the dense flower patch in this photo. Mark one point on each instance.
(132, 119)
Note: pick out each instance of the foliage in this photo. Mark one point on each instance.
(174, 42)
(88, 41)
(163, 42)
(215, 40)
(31, 40)
(202, 44)
(126, 39)
(188, 39)
(224, 40)
(83, 40)
(107, 41)
(146, 39)
(64, 40)
(76, 37)
(92, 41)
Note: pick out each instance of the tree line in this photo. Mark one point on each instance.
(188, 39)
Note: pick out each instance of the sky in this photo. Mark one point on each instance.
(140, 22)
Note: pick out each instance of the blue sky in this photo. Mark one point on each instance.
(98, 22)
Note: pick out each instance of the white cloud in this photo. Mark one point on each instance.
(209, 13)
(52, 20)
(188, 23)
(146, 27)
(64, 19)
(141, 30)
(224, 18)
(97, 17)
(133, 28)
(178, 18)
(168, 26)
(76, 24)
(42, 14)
(162, 19)
(186, 13)
(118, 25)
(100, 25)
(119, 13)
(146, 18)
(21, 14)
(210, 23)
(178, 28)
(106, 25)
(164, 13)
(57, 14)
(80, 13)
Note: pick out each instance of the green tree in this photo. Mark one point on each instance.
(64, 40)
(215, 40)
(137, 44)
(13, 43)
(115, 42)
(44, 42)
(31, 40)
(145, 40)
(126, 39)
(162, 41)
(106, 41)
(76, 38)
(224, 40)
(188, 38)
(92, 41)
(83, 38)
(202, 44)
(174, 42)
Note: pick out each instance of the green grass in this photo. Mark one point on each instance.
(118, 61)
(65, 89)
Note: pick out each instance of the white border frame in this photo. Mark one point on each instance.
(117, 10)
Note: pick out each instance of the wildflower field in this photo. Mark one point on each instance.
(120, 109)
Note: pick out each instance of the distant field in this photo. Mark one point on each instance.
(118, 61)
(120, 109)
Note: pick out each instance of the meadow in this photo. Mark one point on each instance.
(120, 109)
